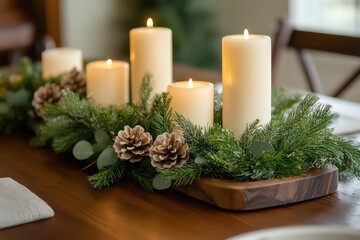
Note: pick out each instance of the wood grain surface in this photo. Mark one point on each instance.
(125, 211)
(263, 194)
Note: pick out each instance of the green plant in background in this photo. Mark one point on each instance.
(16, 92)
(194, 33)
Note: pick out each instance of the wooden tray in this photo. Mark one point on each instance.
(263, 194)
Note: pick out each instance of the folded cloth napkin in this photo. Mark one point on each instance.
(18, 205)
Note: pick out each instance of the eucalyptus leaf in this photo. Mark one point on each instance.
(102, 138)
(258, 148)
(83, 150)
(160, 183)
(17, 98)
(200, 160)
(106, 158)
(97, 147)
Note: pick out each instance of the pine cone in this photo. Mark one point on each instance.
(74, 80)
(48, 93)
(132, 143)
(169, 150)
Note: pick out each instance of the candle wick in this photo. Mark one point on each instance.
(190, 83)
(149, 23)
(246, 34)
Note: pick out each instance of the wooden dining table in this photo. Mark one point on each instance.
(126, 211)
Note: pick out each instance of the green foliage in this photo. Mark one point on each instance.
(259, 148)
(145, 91)
(296, 140)
(141, 173)
(16, 93)
(75, 119)
(217, 108)
(107, 175)
(159, 119)
(107, 157)
(182, 176)
(83, 150)
(281, 102)
(160, 183)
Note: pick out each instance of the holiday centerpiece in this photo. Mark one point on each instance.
(151, 143)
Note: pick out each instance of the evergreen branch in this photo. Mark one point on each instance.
(108, 175)
(281, 103)
(142, 173)
(193, 134)
(64, 134)
(145, 93)
(86, 114)
(182, 176)
(159, 119)
(300, 137)
(217, 108)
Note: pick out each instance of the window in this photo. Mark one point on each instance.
(327, 15)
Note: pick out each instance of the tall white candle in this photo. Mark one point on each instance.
(246, 67)
(194, 100)
(107, 82)
(150, 52)
(56, 61)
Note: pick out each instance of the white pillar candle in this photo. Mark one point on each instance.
(246, 67)
(56, 61)
(194, 100)
(150, 52)
(107, 82)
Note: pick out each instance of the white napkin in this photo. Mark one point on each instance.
(18, 205)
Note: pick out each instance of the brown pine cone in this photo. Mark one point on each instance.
(169, 150)
(74, 80)
(48, 93)
(132, 143)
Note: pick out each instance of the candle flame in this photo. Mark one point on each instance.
(109, 62)
(149, 22)
(246, 34)
(190, 83)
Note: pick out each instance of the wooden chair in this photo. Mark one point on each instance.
(303, 41)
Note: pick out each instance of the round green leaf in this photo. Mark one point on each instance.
(258, 148)
(17, 98)
(200, 160)
(97, 147)
(102, 138)
(83, 150)
(106, 158)
(160, 184)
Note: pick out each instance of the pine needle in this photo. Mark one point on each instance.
(107, 176)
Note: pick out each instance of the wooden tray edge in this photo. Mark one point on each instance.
(263, 194)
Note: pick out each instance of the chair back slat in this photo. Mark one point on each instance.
(302, 41)
(347, 45)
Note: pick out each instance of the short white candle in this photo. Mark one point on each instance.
(150, 52)
(246, 67)
(107, 82)
(194, 100)
(56, 61)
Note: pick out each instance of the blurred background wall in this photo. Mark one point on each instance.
(101, 29)
(100, 23)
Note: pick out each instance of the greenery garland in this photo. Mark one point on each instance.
(296, 140)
